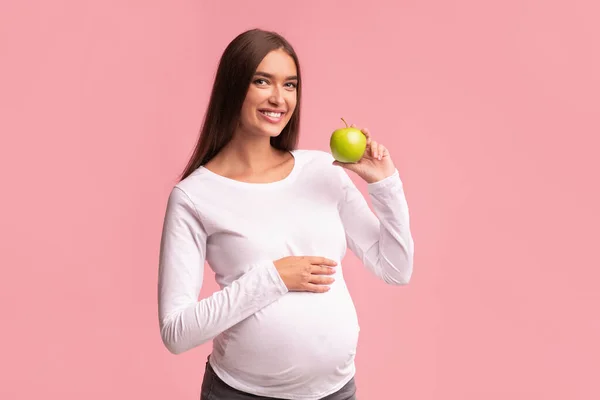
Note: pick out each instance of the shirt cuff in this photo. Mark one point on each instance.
(385, 184)
(276, 278)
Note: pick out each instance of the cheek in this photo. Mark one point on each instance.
(244, 115)
(291, 101)
(249, 107)
(252, 96)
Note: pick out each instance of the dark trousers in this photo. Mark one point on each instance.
(213, 388)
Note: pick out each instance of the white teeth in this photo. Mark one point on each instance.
(272, 114)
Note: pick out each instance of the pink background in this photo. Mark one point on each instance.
(490, 110)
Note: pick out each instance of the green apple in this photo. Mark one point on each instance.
(347, 144)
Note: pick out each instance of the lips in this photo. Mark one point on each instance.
(273, 113)
(272, 116)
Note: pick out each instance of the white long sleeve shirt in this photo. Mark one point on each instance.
(267, 340)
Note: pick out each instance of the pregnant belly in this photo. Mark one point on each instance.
(295, 339)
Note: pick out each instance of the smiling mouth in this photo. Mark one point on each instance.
(272, 114)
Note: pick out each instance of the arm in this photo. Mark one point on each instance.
(381, 239)
(184, 321)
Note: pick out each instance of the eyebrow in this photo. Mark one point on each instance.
(270, 76)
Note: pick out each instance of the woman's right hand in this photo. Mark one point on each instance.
(306, 274)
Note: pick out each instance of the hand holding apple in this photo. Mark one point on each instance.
(347, 144)
(371, 160)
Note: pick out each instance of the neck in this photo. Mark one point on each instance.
(249, 153)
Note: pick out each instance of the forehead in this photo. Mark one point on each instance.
(278, 63)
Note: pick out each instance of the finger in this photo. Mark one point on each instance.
(323, 270)
(374, 145)
(368, 135)
(381, 151)
(322, 261)
(321, 280)
(311, 287)
(347, 166)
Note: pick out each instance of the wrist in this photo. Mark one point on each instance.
(379, 177)
(374, 179)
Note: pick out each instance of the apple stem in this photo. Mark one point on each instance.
(345, 122)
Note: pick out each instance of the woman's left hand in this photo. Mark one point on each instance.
(375, 164)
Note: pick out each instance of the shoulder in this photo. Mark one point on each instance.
(195, 184)
(190, 192)
(317, 166)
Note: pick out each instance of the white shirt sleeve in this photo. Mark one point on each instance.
(185, 322)
(381, 240)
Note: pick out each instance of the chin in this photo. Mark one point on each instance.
(272, 131)
(271, 134)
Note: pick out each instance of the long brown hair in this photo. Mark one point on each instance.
(237, 66)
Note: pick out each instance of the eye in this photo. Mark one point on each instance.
(260, 82)
(292, 85)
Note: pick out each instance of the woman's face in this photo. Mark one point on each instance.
(271, 97)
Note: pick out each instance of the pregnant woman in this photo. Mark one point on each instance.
(273, 222)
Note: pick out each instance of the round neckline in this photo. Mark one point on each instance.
(235, 182)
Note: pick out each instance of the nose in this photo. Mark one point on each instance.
(276, 95)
